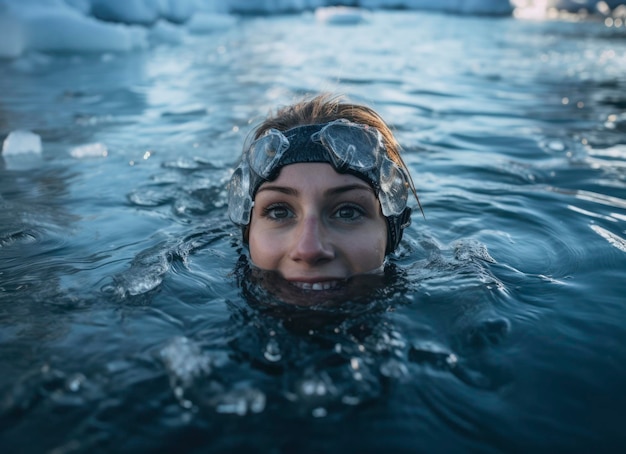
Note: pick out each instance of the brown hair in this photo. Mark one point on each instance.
(325, 108)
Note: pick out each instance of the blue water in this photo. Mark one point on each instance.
(129, 321)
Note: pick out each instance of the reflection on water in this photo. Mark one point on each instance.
(130, 319)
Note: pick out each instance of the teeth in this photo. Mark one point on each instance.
(315, 285)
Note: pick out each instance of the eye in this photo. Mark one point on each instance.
(277, 212)
(348, 213)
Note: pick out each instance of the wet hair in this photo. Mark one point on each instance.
(325, 108)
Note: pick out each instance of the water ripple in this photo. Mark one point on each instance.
(613, 239)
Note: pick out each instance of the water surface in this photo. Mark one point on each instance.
(123, 322)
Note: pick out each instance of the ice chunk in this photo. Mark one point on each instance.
(55, 26)
(84, 6)
(340, 15)
(164, 32)
(66, 30)
(177, 11)
(143, 12)
(127, 11)
(20, 142)
(90, 150)
(86, 25)
(202, 22)
(489, 7)
(12, 40)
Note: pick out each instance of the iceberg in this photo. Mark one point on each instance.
(123, 25)
(54, 26)
(206, 22)
(589, 5)
(470, 7)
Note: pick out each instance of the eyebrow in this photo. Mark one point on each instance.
(331, 191)
(347, 188)
(284, 189)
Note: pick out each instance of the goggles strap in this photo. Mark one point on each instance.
(303, 144)
(395, 229)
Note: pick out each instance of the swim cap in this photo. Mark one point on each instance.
(351, 148)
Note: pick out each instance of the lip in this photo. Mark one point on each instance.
(315, 284)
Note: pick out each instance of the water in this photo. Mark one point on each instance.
(123, 322)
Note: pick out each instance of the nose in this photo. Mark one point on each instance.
(310, 244)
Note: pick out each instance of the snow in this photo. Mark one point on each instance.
(104, 26)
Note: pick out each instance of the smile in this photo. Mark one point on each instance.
(326, 285)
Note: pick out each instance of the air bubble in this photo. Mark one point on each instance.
(272, 351)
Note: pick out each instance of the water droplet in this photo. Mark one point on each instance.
(308, 388)
(257, 401)
(75, 382)
(272, 351)
(452, 360)
(394, 369)
(350, 400)
(241, 401)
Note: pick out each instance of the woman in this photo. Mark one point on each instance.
(321, 193)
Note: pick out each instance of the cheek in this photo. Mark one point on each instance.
(264, 251)
(367, 252)
(378, 252)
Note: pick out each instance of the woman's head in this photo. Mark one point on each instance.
(321, 192)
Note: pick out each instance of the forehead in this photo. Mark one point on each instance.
(314, 176)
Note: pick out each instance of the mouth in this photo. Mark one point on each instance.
(315, 286)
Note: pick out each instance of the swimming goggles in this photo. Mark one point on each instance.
(349, 147)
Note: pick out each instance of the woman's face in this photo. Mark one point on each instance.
(316, 226)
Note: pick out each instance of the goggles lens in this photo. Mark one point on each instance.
(265, 152)
(239, 200)
(348, 147)
(353, 145)
(394, 188)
